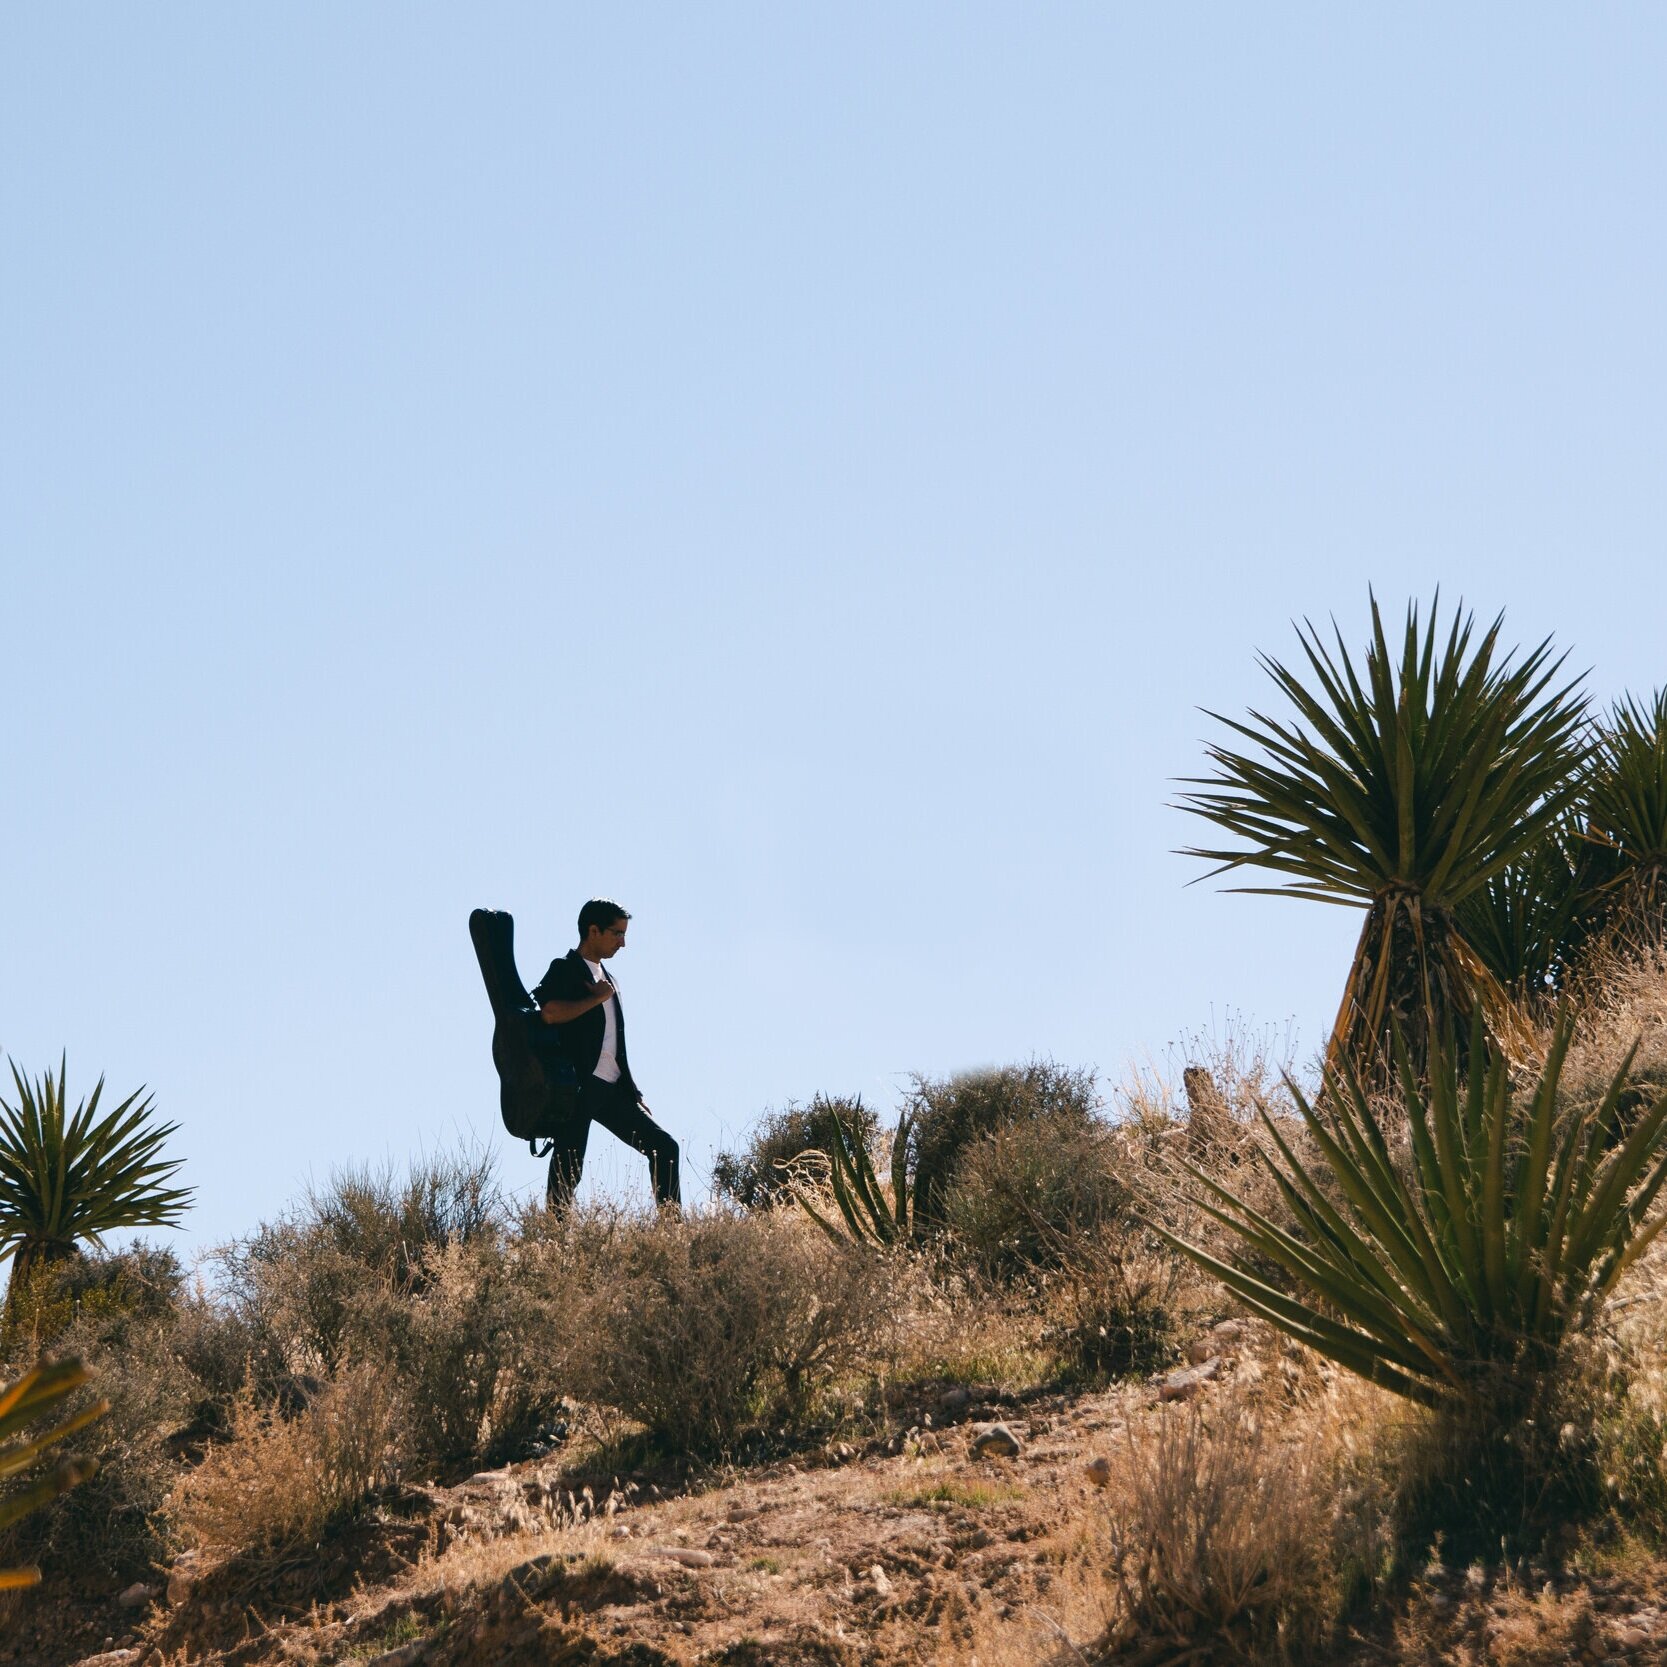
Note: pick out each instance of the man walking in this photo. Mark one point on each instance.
(579, 997)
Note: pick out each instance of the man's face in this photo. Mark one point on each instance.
(608, 940)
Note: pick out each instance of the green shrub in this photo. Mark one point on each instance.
(950, 1114)
(1022, 1195)
(754, 1177)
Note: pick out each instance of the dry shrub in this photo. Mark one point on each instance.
(1622, 1001)
(1220, 1538)
(1022, 1195)
(129, 1315)
(704, 1328)
(754, 1177)
(1118, 1305)
(297, 1283)
(480, 1348)
(279, 1484)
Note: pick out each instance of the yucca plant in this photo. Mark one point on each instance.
(1627, 805)
(69, 1178)
(1530, 922)
(1457, 1271)
(23, 1403)
(869, 1217)
(1402, 789)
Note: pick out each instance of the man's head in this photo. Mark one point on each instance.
(601, 929)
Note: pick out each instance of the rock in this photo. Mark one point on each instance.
(1200, 1350)
(1631, 1637)
(407, 1655)
(996, 1439)
(136, 1596)
(108, 1658)
(1183, 1385)
(1227, 1332)
(955, 1397)
(882, 1586)
(688, 1556)
(182, 1577)
(1098, 1471)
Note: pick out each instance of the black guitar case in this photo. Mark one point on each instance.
(538, 1090)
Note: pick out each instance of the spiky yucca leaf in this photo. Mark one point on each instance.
(1530, 922)
(1401, 789)
(70, 1177)
(1627, 803)
(869, 1217)
(21, 1404)
(1460, 1271)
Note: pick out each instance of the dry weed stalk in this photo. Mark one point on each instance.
(279, 1483)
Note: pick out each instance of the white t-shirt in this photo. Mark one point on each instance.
(607, 1062)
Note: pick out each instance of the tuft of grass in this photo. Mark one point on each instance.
(971, 1496)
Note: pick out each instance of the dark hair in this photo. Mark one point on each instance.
(599, 911)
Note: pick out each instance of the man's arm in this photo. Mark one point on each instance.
(564, 1012)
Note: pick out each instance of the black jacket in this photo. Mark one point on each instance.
(580, 1039)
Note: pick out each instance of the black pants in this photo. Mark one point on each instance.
(615, 1106)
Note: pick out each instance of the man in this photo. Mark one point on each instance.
(581, 1000)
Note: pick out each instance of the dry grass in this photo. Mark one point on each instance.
(279, 1483)
(1220, 1536)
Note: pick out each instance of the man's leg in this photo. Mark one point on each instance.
(622, 1114)
(567, 1160)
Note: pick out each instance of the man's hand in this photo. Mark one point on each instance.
(604, 989)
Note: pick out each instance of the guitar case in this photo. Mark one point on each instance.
(538, 1090)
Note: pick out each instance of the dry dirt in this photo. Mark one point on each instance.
(874, 1556)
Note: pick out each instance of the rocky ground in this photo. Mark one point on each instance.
(967, 1533)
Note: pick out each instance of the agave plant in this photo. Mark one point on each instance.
(1457, 1274)
(68, 1178)
(21, 1404)
(869, 1217)
(1403, 791)
(1627, 803)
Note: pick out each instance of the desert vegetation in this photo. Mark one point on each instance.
(1256, 1363)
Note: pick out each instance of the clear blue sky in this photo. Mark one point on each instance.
(795, 469)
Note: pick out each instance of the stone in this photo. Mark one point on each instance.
(1183, 1385)
(182, 1577)
(688, 1556)
(955, 1397)
(136, 1596)
(877, 1577)
(407, 1655)
(1200, 1350)
(1631, 1637)
(997, 1440)
(1098, 1471)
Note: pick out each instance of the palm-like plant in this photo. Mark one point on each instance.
(22, 1403)
(869, 1216)
(68, 1178)
(1627, 805)
(1402, 790)
(1457, 1275)
(1530, 922)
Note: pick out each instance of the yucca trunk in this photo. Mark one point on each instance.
(1414, 972)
